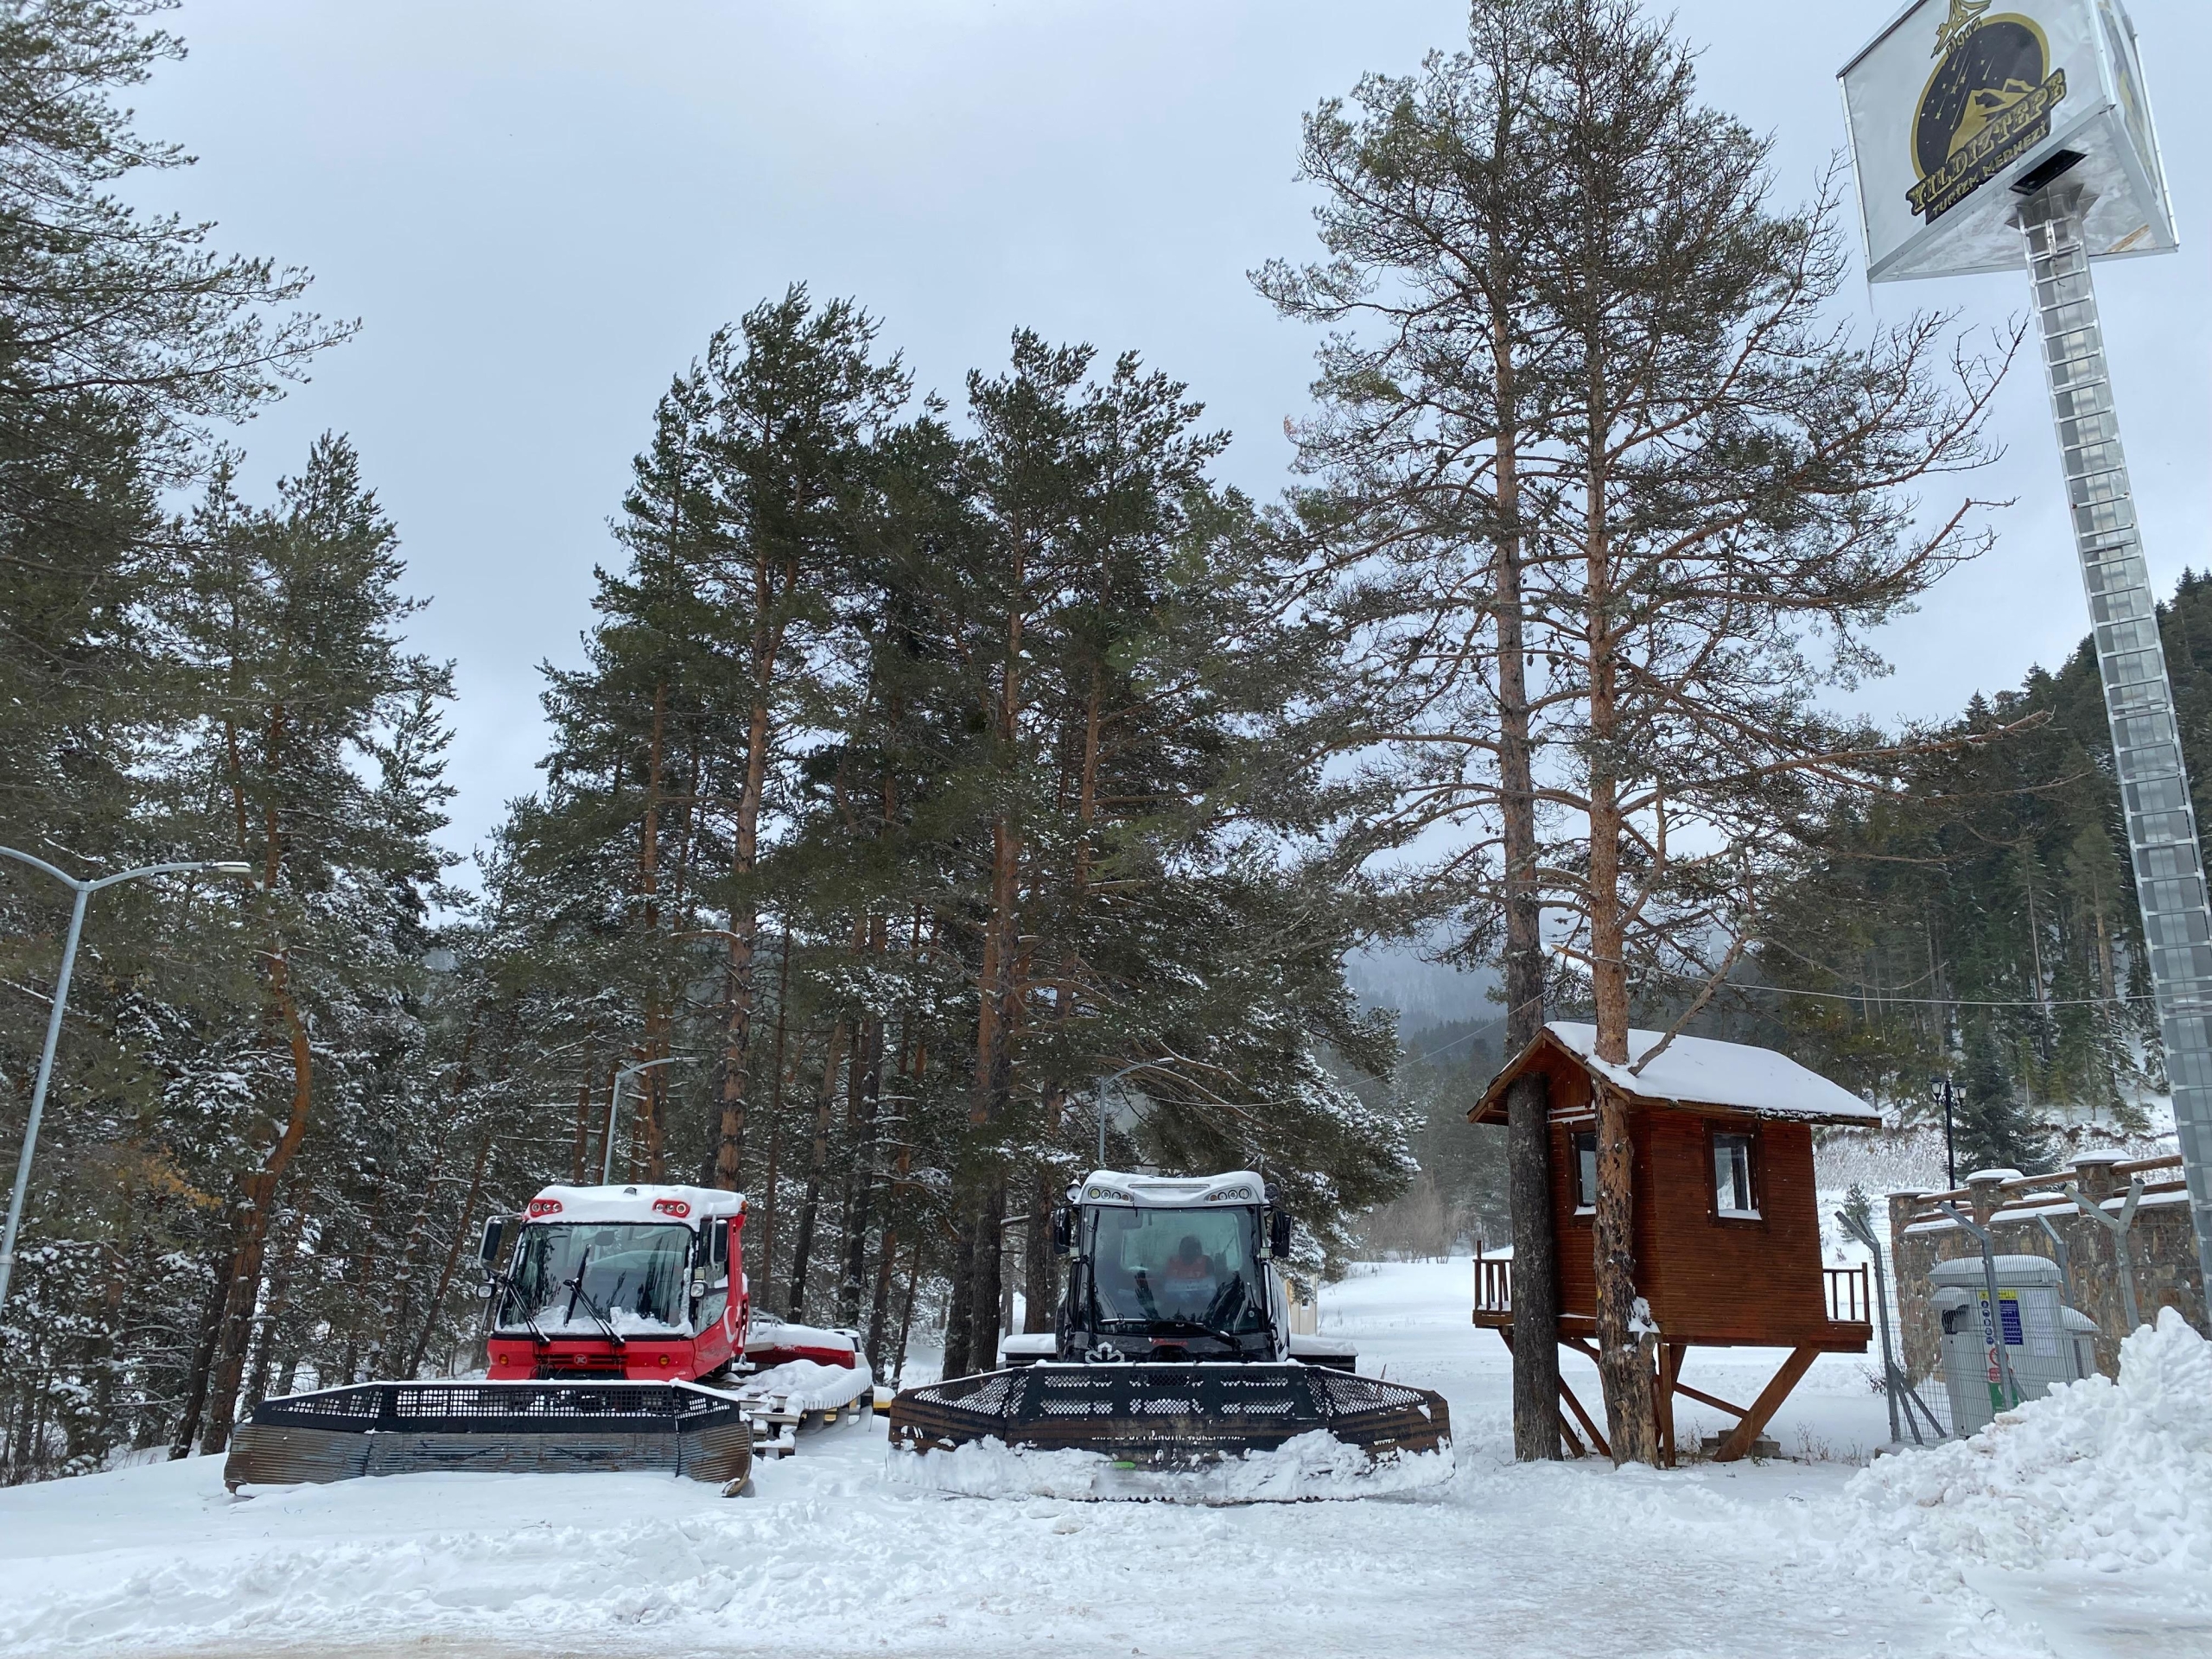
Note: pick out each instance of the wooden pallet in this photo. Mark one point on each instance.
(776, 1428)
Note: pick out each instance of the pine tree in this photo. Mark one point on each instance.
(1993, 1130)
(794, 412)
(1432, 188)
(293, 630)
(1710, 480)
(123, 337)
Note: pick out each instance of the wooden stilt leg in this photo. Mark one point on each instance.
(1704, 1398)
(1670, 1367)
(1583, 1417)
(1567, 1435)
(1763, 1409)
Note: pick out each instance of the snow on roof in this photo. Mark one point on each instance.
(636, 1202)
(1171, 1192)
(1700, 1071)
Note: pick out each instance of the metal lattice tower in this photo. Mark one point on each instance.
(2162, 837)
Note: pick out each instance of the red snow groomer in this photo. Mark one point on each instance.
(620, 1334)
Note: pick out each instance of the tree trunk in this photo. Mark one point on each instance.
(652, 1117)
(988, 1281)
(774, 1126)
(1626, 1343)
(879, 1306)
(453, 1255)
(580, 1145)
(867, 1087)
(280, 1300)
(817, 1161)
(258, 1202)
(906, 1311)
(1535, 1271)
(731, 1072)
(1038, 1300)
(959, 1324)
(1536, 1308)
(194, 1404)
(1623, 1355)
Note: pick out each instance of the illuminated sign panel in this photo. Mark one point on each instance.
(1957, 102)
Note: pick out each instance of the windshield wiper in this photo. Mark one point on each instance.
(1149, 1307)
(506, 1285)
(576, 1290)
(1215, 1332)
(1232, 1299)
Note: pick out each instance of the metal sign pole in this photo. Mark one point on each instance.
(1865, 1234)
(2119, 1231)
(2064, 1257)
(2162, 837)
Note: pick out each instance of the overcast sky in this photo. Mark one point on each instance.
(539, 211)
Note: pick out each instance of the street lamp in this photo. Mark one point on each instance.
(1950, 1138)
(614, 1103)
(84, 891)
(1099, 1089)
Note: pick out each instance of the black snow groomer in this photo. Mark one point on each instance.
(1172, 1361)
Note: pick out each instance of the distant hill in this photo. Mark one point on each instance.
(1426, 993)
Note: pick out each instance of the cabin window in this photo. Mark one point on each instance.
(1732, 1192)
(1585, 1171)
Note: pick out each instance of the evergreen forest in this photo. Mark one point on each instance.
(951, 781)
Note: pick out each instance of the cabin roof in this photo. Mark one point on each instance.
(1697, 1073)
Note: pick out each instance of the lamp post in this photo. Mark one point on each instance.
(1950, 1139)
(614, 1105)
(1100, 1087)
(84, 890)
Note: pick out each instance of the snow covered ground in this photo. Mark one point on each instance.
(2037, 1541)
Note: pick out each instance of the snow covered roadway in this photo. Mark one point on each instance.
(829, 1558)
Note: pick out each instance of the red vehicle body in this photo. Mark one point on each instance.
(642, 1283)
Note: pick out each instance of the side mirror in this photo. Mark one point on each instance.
(1063, 1230)
(489, 1252)
(1279, 1228)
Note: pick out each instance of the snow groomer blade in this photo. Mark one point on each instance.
(391, 1428)
(1169, 1416)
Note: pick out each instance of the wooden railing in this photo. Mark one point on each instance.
(1851, 1299)
(1493, 1284)
(1849, 1291)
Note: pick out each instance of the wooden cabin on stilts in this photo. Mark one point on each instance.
(1726, 1222)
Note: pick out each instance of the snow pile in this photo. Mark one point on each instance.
(808, 1385)
(2111, 1476)
(1315, 1464)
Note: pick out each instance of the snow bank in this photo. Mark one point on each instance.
(2111, 1476)
(1313, 1466)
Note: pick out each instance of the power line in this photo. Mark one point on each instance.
(1912, 1001)
(1824, 996)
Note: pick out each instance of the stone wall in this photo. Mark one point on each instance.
(2162, 1246)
